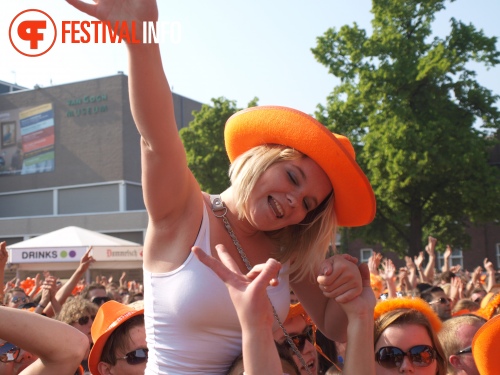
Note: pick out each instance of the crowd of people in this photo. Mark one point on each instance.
(405, 321)
(219, 270)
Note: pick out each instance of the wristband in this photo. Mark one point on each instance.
(42, 306)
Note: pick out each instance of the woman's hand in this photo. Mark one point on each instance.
(119, 10)
(248, 292)
(364, 304)
(339, 278)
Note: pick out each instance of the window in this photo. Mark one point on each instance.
(456, 258)
(365, 254)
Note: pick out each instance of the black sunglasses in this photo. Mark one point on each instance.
(300, 340)
(85, 319)
(9, 352)
(136, 357)
(441, 300)
(16, 299)
(100, 300)
(464, 351)
(392, 357)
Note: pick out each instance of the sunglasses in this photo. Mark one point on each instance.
(9, 352)
(136, 357)
(85, 319)
(16, 299)
(464, 351)
(441, 300)
(100, 300)
(300, 340)
(391, 357)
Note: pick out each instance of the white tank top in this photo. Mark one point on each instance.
(191, 323)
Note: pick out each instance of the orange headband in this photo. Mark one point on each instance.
(410, 304)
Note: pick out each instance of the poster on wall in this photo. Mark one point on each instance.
(27, 140)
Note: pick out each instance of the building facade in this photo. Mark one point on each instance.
(70, 156)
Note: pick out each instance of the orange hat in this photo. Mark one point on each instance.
(418, 304)
(490, 307)
(296, 309)
(354, 198)
(108, 318)
(485, 346)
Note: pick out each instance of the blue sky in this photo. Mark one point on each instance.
(226, 48)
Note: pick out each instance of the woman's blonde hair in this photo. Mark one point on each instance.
(306, 243)
(75, 308)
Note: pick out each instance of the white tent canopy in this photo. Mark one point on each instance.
(63, 249)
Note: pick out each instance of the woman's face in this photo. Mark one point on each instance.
(286, 192)
(298, 326)
(405, 337)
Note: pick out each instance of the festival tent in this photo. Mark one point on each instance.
(63, 249)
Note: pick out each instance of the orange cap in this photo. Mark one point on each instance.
(108, 318)
(255, 126)
(485, 346)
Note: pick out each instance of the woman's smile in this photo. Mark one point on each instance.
(286, 192)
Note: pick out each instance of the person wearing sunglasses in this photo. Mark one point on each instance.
(36, 345)
(119, 339)
(405, 338)
(439, 301)
(261, 355)
(456, 337)
(80, 314)
(96, 293)
(13, 359)
(16, 297)
(300, 328)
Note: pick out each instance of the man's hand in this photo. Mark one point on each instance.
(374, 263)
(419, 260)
(431, 246)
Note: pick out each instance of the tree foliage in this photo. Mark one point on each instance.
(421, 123)
(203, 141)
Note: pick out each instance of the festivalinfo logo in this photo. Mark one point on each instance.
(33, 32)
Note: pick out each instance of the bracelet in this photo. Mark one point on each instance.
(42, 306)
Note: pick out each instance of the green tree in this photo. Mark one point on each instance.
(203, 140)
(421, 124)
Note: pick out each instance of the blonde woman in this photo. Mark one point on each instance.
(292, 183)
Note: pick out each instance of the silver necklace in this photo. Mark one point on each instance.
(218, 205)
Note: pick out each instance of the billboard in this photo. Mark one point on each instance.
(27, 140)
